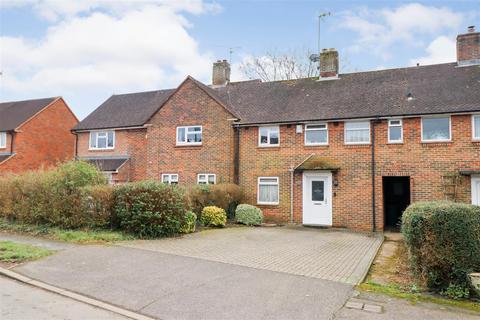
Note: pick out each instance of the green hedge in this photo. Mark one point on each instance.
(225, 195)
(213, 217)
(149, 209)
(443, 240)
(248, 215)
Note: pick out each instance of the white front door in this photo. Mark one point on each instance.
(317, 198)
(476, 190)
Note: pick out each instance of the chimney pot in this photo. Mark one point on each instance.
(221, 73)
(468, 48)
(328, 63)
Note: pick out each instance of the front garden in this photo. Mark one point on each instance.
(74, 203)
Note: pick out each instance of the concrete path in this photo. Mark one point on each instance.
(36, 241)
(318, 253)
(20, 301)
(167, 286)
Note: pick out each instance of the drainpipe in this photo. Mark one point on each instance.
(12, 133)
(373, 176)
(75, 153)
(236, 155)
(291, 194)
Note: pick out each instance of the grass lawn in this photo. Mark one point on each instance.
(12, 252)
(76, 236)
(391, 275)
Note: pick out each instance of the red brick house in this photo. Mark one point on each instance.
(345, 150)
(35, 134)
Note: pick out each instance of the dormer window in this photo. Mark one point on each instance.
(191, 135)
(3, 139)
(102, 140)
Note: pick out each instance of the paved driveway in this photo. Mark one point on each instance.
(318, 253)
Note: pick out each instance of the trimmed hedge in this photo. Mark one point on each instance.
(248, 215)
(149, 209)
(190, 223)
(225, 195)
(213, 216)
(443, 240)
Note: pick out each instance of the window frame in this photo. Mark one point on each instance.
(169, 175)
(437, 117)
(96, 140)
(206, 178)
(268, 145)
(278, 190)
(306, 129)
(186, 143)
(361, 142)
(395, 126)
(3, 139)
(474, 138)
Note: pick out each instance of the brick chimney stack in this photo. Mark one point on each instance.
(468, 47)
(328, 63)
(221, 73)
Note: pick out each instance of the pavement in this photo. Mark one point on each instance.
(19, 301)
(327, 254)
(36, 241)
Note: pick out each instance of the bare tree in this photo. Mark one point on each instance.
(279, 66)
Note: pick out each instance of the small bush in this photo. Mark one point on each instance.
(248, 215)
(226, 196)
(213, 216)
(190, 223)
(149, 209)
(443, 240)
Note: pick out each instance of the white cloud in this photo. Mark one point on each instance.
(99, 53)
(440, 50)
(409, 25)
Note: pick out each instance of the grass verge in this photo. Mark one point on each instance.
(76, 236)
(12, 252)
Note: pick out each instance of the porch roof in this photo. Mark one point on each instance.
(317, 162)
(469, 172)
(107, 164)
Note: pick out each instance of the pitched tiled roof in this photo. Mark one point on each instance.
(435, 89)
(14, 113)
(125, 110)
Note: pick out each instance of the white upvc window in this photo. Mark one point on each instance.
(476, 127)
(357, 132)
(189, 135)
(170, 178)
(101, 140)
(436, 129)
(395, 131)
(269, 136)
(268, 190)
(3, 139)
(206, 178)
(316, 134)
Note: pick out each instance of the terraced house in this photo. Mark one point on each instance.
(35, 133)
(346, 150)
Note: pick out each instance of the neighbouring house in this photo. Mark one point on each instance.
(35, 134)
(346, 150)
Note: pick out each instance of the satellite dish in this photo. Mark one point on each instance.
(314, 57)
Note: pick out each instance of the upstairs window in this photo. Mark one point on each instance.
(170, 178)
(316, 134)
(357, 132)
(436, 129)
(395, 131)
(191, 135)
(102, 140)
(476, 127)
(269, 136)
(3, 139)
(206, 178)
(267, 190)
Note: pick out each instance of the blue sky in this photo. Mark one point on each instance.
(87, 50)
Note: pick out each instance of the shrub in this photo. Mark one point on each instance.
(190, 223)
(213, 216)
(51, 197)
(226, 196)
(96, 205)
(249, 215)
(149, 209)
(443, 240)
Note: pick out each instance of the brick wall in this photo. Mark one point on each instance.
(191, 106)
(424, 163)
(43, 141)
(130, 143)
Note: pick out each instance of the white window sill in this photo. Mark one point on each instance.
(316, 144)
(395, 142)
(188, 144)
(268, 203)
(436, 141)
(269, 145)
(357, 143)
(101, 149)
